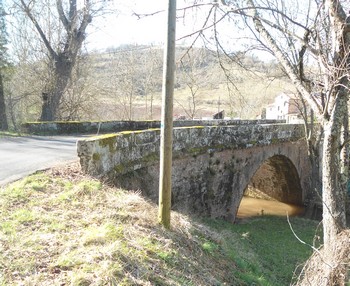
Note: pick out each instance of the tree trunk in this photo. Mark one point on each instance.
(51, 98)
(3, 117)
(74, 23)
(333, 185)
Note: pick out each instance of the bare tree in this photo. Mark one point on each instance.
(62, 38)
(151, 79)
(311, 42)
(131, 78)
(124, 81)
(333, 53)
(193, 76)
(79, 100)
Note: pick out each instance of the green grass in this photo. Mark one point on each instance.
(268, 252)
(61, 228)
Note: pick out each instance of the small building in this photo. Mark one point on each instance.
(287, 107)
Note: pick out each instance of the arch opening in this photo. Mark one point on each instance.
(274, 189)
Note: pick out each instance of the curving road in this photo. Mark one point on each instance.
(21, 156)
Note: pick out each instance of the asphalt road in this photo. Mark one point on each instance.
(21, 156)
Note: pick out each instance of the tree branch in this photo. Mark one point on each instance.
(26, 9)
(62, 15)
(336, 10)
(284, 61)
(73, 8)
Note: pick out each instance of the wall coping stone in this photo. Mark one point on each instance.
(101, 127)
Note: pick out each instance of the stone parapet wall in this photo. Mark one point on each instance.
(123, 152)
(75, 127)
(101, 127)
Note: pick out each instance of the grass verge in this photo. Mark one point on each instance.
(62, 228)
(9, 134)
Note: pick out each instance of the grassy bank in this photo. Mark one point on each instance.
(62, 228)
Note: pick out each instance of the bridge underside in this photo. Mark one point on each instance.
(277, 179)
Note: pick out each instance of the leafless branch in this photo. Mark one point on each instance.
(28, 12)
(62, 15)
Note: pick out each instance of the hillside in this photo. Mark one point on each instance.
(125, 83)
(61, 227)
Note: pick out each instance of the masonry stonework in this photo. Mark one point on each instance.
(212, 166)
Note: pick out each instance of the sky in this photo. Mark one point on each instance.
(125, 28)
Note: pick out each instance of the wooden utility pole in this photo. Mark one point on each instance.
(166, 141)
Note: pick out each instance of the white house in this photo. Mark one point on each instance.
(285, 106)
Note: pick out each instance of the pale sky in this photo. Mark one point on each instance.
(126, 28)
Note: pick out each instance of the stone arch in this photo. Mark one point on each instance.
(275, 179)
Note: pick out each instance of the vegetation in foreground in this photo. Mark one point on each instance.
(62, 228)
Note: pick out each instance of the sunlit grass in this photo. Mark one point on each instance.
(266, 250)
(62, 228)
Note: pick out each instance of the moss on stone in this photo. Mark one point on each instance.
(145, 161)
(153, 157)
(153, 129)
(127, 132)
(119, 169)
(110, 135)
(192, 127)
(197, 150)
(107, 140)
(96, 156)
(202, 150)
(275, 140)
(35, 122)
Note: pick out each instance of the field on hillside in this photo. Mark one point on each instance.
(61, 227)
(128, 82)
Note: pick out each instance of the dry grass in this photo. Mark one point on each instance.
(61, 227)
(253, 95)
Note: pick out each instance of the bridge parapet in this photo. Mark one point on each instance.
(124, 152)
(101, 127)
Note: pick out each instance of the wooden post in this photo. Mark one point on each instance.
(167, 119)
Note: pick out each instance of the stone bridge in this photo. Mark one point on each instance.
(213, 166)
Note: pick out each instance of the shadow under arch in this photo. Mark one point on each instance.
(277, 179)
